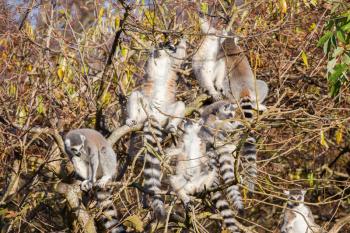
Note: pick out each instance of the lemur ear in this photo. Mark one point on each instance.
(303, 191)
(67, 142)
(262, 90)
(286, 192)
(83, 138)
(200, 122)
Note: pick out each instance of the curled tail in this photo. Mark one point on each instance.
(109, 218)
(227, 170)
(152, 172)
(249, 162)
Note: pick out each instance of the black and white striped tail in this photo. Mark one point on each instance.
(249, 162)
(227, 170)
(225, 211)
(152, 172)
(219, 199)
(109, 218)
(249, 148)
(247, 108)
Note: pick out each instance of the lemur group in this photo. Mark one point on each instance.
(216, 153)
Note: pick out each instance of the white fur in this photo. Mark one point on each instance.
(191, 173)
(159, 71)
(209, 72)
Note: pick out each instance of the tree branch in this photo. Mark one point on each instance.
(72, 194)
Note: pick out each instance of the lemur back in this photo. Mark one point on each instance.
(298, 217)
(156, 101)
(240, 77)
(95, 162)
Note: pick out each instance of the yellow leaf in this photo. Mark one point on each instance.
(106, 98)
(22, 115)
(60, 73)
(304, 57)
(101, 12)
(124, 52)
(117, 22)
(323, 139)
(312, 27)
(204, 214)
(12, 90)
(29, 67)
(204, 7)
(283, 6)
(339, 135)
(134, 222)
(29, 30)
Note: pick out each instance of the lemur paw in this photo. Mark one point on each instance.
(171, 128)
(130, 122)
(217, 97)
(102, 182)
(86, 185)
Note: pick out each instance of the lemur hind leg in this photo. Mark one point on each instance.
(136, 113)
(220, 75)
(176, 112)
(207, 82)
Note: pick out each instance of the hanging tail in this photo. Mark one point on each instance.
(227, 170)
(221, 203)
(152, 173)
(109, 218)
(249, 163)
(249, 149)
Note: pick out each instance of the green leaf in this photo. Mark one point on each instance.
(345, 59)
(324, 38)
(311, 179)
(341, 36)
(346, 27)
(326, 47)
(338, 51)
(331, 64)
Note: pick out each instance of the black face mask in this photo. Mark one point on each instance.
(168, 45)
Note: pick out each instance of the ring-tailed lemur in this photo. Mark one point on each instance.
(157, 100)
(218, 126)
(249, 92)
(209, 71)
(196, 170)
(95, 162)
(240, 76)
(298, 217)
(193, 170)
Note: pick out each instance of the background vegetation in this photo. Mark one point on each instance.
(70, 64)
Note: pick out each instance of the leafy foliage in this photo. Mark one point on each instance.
(336, 45)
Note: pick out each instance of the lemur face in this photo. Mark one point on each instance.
(193, 127)
(164, 49)
(227, 111)
(75, 144)
(295, 197)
